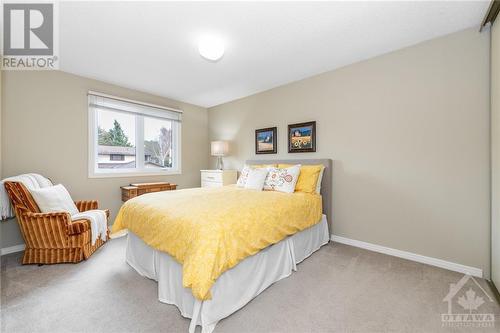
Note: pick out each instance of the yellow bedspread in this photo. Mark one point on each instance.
(210, 230)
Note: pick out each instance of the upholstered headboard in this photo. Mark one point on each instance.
(326, 183)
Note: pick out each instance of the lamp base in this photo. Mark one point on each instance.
(220, 163)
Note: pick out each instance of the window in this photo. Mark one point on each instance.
(132, 138)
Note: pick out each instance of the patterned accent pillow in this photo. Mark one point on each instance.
(282, 180)
(242, 180)
(256, 178)
(243, 176)
(309, 179)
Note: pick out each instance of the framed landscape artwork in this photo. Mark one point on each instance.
(302, 137)
(266, 141)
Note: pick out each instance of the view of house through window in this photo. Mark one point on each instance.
(129, 138)
(116, 140)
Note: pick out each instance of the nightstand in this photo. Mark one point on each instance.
(218, 178)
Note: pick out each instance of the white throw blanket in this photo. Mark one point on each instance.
(98, 222)
(30, 180)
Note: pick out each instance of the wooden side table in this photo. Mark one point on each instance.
(134, 190)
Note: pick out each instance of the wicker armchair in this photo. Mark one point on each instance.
(51, 237)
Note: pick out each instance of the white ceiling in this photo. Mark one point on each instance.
(152, 46)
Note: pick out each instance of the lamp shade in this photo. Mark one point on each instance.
(219, 148)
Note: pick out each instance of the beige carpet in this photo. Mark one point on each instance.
(338, 289)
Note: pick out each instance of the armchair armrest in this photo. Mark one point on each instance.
(84, 205)
(78, 226)
(46, 230)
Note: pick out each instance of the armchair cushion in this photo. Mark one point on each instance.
(54, 199)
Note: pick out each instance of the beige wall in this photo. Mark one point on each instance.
(409, 136)
(44, 130)
(495, 153)
(1, 159)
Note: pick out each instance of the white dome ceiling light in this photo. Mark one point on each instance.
(211, 47)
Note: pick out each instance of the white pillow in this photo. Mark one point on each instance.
(283, 179)
(243, 176)
(320, 178)
(256, 179)
(54, 199)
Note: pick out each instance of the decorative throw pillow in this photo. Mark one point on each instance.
(256, 179)
(54, 199)
(244, 172)
(309, 177)
(243, 176)
(282, 180)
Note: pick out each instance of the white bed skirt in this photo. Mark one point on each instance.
(235, 287)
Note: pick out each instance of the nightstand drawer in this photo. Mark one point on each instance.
(205, 183)
(211, 177)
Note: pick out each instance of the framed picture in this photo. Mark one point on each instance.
(266, 141)
(302, 137)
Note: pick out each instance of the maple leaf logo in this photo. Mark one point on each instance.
(470, 301)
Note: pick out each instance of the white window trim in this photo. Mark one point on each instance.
(122, 173)
(95, 93)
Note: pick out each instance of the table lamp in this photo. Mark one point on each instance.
(219, 149)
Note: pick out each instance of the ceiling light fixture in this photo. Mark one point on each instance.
(211, 47)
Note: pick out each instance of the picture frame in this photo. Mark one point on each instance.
(266, 140)
(302, 137)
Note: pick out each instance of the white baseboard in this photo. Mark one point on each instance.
(477, 272)
(12, 249)
(364, 245)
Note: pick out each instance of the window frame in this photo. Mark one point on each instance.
(94, 172)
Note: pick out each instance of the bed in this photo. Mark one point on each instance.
(230, 283)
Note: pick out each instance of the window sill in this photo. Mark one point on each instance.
(133, 174)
